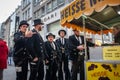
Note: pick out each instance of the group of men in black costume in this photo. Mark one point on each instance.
(30, 48)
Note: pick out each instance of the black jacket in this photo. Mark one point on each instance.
(49, 51)
(20, 41)
(36, 46)
(65, 46)
(73, 46)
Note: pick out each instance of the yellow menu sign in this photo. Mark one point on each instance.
(111, 53)
(102, 71)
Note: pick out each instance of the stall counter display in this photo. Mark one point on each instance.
(102, 71)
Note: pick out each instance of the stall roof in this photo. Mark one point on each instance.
(103, 11)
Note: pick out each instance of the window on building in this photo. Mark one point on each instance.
(38, 0)
(61, 2)
(35, 15)
(28, 1)
(38, 13)
(54, 4)
(42, 11)
(26, 15)
(54, 28)
(23, 16)
(49, 7)
(24, 2)
(34, 2)
(28, 12)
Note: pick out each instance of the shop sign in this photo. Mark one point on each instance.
(111, 53)
(51, 17)
(102, 71)
(86, 7)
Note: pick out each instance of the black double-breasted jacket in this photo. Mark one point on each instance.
(36, 46)
(64, 46)
(50, 51)
(20, 41)
(73, 46)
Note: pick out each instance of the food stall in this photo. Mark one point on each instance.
(90, 16)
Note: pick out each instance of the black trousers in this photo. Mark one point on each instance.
(36, 70)
(51, 70)
(1, 74)
(78, 66)
(21, 68)
(63, 68)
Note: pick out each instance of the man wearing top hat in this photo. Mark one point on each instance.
(52, 57)
(77, 54)
(63, 44)
(20, 55)
(36, 49)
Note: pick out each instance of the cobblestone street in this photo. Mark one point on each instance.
(9, 73)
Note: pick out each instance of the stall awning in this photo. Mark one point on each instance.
(70, 15)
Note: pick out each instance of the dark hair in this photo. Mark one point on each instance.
(61, 31)
(50, 34)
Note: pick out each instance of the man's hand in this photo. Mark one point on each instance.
(35, 59)
(46, 61)
(80, 47)
(29, 33)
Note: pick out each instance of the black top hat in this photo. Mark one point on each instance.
(37, 21)
(23, 22)
(61, 31)
(50, 34)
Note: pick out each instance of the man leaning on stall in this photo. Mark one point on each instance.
(77, 54)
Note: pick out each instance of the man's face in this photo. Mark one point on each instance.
(39, 27)
(77, 33)
(62, 33)
(23, 28)
(50, 38)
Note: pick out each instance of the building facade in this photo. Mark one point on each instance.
(12, 28)
(49, 12)
(6, 33)
(2, 30)
(18, 17)
(26, 6)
